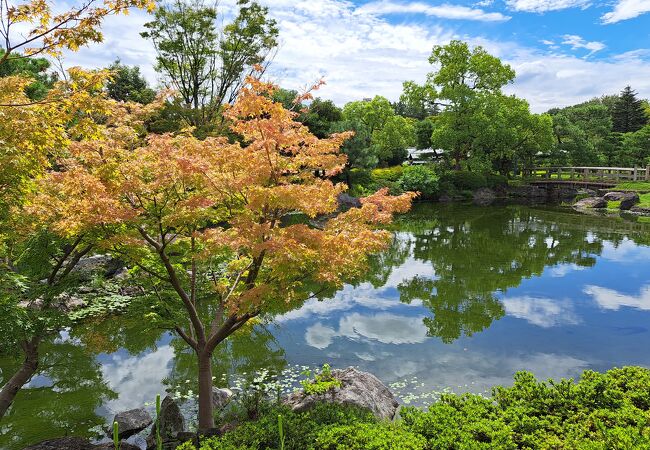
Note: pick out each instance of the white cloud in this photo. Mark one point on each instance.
(385, 328)
(562, 270)
(625, 251)
(136, 379)
(443, 11)
(614, 300)
(543, 312)
(362, 54)
(319, 336)
(626, 9)
(577, 42)
(540, 6)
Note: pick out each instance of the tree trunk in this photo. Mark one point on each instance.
(206, 418)
(21, 377)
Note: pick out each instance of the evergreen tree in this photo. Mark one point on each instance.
(127, 84)
(628, 115)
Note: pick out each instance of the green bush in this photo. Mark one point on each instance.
(420, 179)
(366, 436)
(387, 175)
(300, 429)
(609, 411)
(495, 180)
(463, 181)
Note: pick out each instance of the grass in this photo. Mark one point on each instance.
(614, 204)
(645, 200)
(637, 186)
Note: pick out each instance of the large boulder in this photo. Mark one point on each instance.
(66, 443)
(591, 202)
(172, 423)
(130, 423)
(221, 398)
(627, 199)
(346, 201)
(358, 388)
(484, 196)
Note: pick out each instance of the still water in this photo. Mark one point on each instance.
(464, 297)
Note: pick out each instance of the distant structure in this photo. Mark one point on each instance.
(423, 156)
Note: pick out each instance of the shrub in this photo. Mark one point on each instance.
(495, 180)
(300, 429)
(387, 175)
(368, 436)
(461, 180)
(599, 412)
(420, 179)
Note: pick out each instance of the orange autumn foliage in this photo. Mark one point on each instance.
(209, 220)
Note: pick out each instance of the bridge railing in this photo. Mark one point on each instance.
(604, 174)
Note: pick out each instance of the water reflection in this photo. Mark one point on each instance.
(463, 298)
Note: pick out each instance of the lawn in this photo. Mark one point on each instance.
(638, 186)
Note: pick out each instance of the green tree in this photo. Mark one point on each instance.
(634, 149)
(35, 68)
(392, 140)
(465, 78)
(423, 132)
(127, 84)
(320, 117)
(372, 114)
(508, 134)
(628, 114)
(205, 64)
(581, 133)
(417, 101)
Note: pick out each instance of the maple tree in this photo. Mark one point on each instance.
(36, 265)
(206, 221)
(49, 32)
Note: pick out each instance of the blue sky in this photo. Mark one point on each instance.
(564, 51)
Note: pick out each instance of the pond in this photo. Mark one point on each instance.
(464, 297)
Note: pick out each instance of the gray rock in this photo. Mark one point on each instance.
(640, 210)
(527, 191)
(67, 443)
(111, 446)
(131, 422)
(358, 388)
(346, 201)
(587, 192)
(591, 202)
(221, 397)
(76, 443)
(627, 199)
(172, 423)
(484, 196)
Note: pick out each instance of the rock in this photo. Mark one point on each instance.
(111, 446)
(591, 202)
(67, 443)
(627, 199)
(131, 422)
(105, 264)
(527, 191)
(357, 388)
(76, 443)
(640, 210)
(172, 423)
(484, 196)
(221, 397)
(346, 201)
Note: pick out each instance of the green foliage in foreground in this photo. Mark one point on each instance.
(601, 411)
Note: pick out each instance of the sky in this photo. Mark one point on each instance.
(563, 51)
